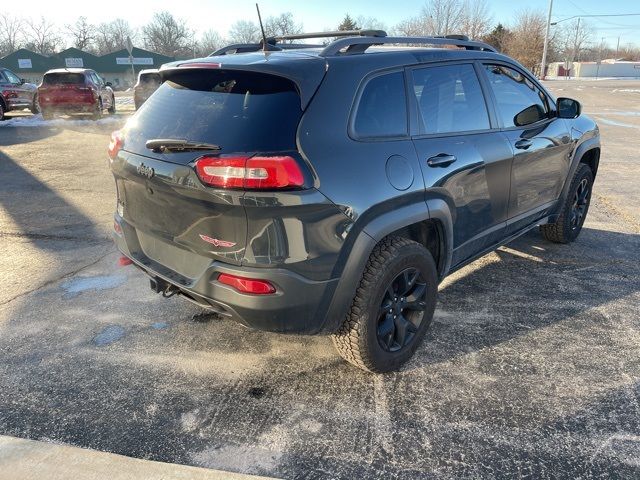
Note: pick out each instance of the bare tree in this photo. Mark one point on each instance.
(210, 41)
(42, 36)
(112, 36)
(244, 31)
(283, 24)
(526, 41)
(168, 35)
(443, 17)
(82, 34)
(476, 19)
(437, 17)
(10, 33)
(411, 27)
(573, 38)
(370, 23)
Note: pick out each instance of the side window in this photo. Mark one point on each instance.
(2, 77)
(518, 100)
(382, 110)
(450, 99)
(12, 77)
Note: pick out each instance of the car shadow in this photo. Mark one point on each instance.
(39, 213)
(526, 285)
(14, 135)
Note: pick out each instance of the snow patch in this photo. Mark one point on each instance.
(77, 285)
(37, 121)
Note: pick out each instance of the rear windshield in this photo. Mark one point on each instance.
(239, 111)
(150, 79)
(64, 78)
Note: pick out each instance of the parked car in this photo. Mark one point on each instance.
(16, 94)
(329, 191)
(75, 90)
(148, 82)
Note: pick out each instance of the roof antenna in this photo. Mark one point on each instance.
(265, 48)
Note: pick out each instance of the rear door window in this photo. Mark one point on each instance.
(382, 108)
(519, 101)
(63, 78)
(237, 110)
(150, 79)
(449, 99)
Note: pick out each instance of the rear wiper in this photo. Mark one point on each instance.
(178, 145)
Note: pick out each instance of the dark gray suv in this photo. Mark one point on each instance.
(329, 190)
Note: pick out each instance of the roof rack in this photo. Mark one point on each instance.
(355, 41)
(355, 45)
(272, 42)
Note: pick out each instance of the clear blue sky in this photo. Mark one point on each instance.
(320, 14)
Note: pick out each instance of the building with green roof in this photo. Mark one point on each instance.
(114, 67)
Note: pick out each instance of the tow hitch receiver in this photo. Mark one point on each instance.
(159, 285)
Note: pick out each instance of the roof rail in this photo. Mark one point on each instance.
(335, 33)
(361, 44)
(272, 42)
(255, 47)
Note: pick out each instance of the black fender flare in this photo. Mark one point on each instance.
(368, 238)
(581, 150)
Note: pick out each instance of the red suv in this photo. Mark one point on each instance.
(75, 90)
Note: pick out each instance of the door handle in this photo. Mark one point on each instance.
(441, 160)
(523, 144)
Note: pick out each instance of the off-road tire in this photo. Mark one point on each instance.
(112, 108)
(561, 231)
(2, 111)
(357, 339)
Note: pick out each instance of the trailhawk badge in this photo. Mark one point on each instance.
(216, 242)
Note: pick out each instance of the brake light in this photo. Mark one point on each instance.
(247, 285)
(252, 173)
(116, 143)
(201, 65)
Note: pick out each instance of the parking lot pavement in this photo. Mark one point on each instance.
(32, 460)
(530, 369)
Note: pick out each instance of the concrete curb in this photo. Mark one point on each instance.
(32, 460)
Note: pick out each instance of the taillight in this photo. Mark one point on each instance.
(116, 143)
(253, 173)
(247, 285)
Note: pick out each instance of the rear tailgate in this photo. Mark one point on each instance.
(180, 222)
(65, 88)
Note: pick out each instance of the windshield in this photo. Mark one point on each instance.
(240, 111)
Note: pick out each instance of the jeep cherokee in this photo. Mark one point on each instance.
(329, 190)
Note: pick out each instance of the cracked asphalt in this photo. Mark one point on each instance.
(531, 368)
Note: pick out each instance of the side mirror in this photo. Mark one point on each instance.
(569, 108)
(529, 115)
(22, 81)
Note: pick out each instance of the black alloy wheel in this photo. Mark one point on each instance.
(580, 203)
(402, 310)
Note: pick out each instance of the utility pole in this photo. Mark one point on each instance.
(576, 51)
(617, 48)
(543, 66)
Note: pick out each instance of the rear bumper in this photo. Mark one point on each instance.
(298, 306)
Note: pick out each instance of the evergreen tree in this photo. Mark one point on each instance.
(348, 24)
